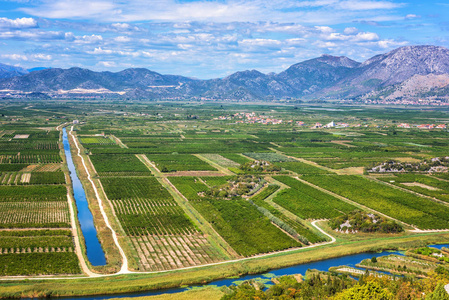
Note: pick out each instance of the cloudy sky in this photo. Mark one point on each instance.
(209, 39)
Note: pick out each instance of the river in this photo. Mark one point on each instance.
(94, 251)
(322, 265)
(96, 256)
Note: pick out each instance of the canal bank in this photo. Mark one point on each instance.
(94, 251)
(117, 285)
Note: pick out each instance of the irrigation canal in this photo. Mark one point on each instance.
(96, 255)
(94, 251)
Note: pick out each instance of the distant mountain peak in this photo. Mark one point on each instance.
(7, 71)
(404, 72)
(338, 61)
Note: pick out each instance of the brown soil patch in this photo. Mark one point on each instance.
(421, 185)
(351, 171)
(30, 168)
(46, 128)
(21, 136)
(195, 173)
(407, 159)
(343, 143)
(25, 178)
(48, 168)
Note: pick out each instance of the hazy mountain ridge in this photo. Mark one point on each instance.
(7, 71)
(410, 71)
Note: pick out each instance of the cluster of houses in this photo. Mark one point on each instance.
(252, 118)
(332, 125)
(414, 102)
(422, 126)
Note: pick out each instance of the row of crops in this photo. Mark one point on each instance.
(243, 227)
(106, 164)
(30, 158)
(180, 162)
(425, 185)
(259, 200)
(27, 145)
(144, 207)
(163, 236)
(406, 207)
(20, 178)
(308, 202)
(34, 199)
(186, 146)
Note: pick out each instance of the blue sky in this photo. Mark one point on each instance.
(209, 39)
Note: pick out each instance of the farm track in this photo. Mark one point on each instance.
(164, 180)
(215, 165)
(305, 161)
(187, 207)
(408, 191)
(119, 142)
(333, 240)
(281, 209)
(440, 179)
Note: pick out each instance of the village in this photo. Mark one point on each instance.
(253, 118)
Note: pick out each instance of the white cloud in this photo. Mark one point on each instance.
(101, 51)
(351, 30)
(121, 26)
(67, 9)
(412, 16)
(32, 57)
(325, 29)
(366, 36)
(34, 35)
(259, 42)
(358, 5)
(107, 64)
(182, 12)
(14, 56)
(295, 41)
(88, 39)
(321, 44)
(19, 23)
(122, 39)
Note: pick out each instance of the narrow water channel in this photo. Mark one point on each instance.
(95, 253)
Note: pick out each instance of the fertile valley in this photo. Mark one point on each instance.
(222, 200)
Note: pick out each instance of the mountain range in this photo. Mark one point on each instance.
(408, 72)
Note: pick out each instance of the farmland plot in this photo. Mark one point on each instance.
(119, 165)
(33, 197)
(307, 202)
(243, 227)
(161, 233)
(295, 224)
(302, 168)
(180, 162)
(221, 160)
(422, 184)
(406, 207)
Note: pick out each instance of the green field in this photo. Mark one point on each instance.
(406, 207)
(307, 202)
(180, 162)
(190, 210)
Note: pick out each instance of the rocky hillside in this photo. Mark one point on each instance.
(414, 71)
(11, 71)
